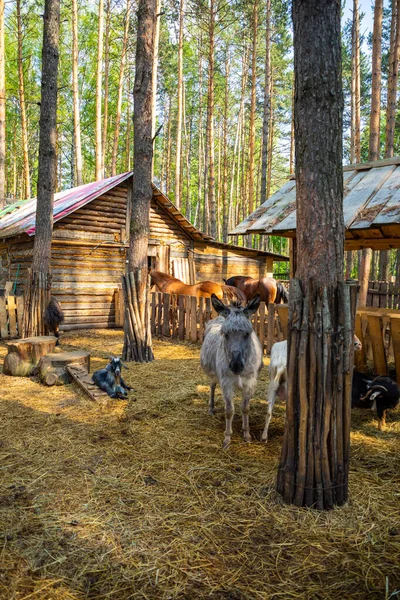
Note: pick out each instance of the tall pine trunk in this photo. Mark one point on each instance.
(106, 85)
(225, 150)
(2, 111)
(39, 283)
(267, 105)
(394, 57)
(252, 129)
(210, 123)
(75, 95)
(355, 140)
(120, 90)
(314, 465)
(137, 333)
(24, 125)
(155, 77)
(98, 147)
(178, 200)
(374, 127)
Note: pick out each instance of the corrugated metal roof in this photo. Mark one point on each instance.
(371, 201)
(20, 217)
(23, 218)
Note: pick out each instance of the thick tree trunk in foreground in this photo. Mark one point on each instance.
(38, 285)
(314, 465)
(137, 338)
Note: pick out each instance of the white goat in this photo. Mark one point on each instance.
(278, 378)
(231, 355)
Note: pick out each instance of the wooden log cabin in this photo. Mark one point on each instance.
(90, 239)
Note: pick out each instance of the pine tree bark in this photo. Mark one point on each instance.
(98, 148)
(210, 123)
(394, 57)
(120, 89)
(252, 131)
(225, 149)
(291, 156)
(180, 110)
(106, 85)
(137, 339)
(355, 138)
(24, 125)
(314, 465)
(39, 283)
(374, 127)
(75, 95)
(267, 105)
(155, 74)
(2, 111)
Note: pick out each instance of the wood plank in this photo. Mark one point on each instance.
(181, 324)
(360, 357)
(262, 325)
(283, 315)
(3, 319)
(188, 318)
(166, 309)
(193, 318)
(201, 320)
(20, 313)
(395, 334)
(378, 348)
(271, 327)
(12, 317)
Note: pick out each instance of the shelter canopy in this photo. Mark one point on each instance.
(371, 208)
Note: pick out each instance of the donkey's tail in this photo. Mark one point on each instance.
(233, 293)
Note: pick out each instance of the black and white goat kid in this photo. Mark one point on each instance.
(379, 393)
(110, 379)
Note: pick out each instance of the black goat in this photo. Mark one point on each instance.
(53, 317)
(379, 393)
(110, 379)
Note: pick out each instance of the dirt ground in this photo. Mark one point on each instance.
(137, 499)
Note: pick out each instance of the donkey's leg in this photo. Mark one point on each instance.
(271, 397)
(247, 393)
(211, 404)
(227, 391)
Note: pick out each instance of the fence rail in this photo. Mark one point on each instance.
(185, 318)
(383, 294)
(11, 309)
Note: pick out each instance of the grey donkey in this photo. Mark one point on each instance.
(231, 355)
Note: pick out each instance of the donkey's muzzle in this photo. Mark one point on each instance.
(236, 364)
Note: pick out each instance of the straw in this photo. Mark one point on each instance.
(137, 499)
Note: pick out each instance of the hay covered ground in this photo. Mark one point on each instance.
(137, 499)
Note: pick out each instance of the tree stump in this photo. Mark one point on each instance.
(52, 368)
(24, 355)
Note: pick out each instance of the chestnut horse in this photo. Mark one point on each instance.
(269, 289)
(204, 289)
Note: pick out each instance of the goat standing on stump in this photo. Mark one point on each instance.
(110, 379)
(232, 356)
(380, 393)
(53, 317)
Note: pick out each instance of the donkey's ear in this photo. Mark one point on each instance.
(219, 306)
(252, 306)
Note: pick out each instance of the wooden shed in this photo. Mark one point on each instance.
(371, 207)
(90, 239)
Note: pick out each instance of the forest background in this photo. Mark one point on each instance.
(223, 130)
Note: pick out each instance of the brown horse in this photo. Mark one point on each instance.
(204, 289)
(269, 289)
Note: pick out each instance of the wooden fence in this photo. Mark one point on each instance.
(383, 294)
(185, 318)
(11, 309)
